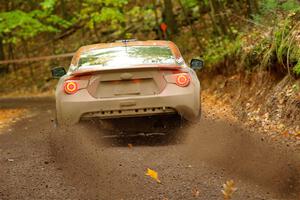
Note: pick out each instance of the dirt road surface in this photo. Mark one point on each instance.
(40, 161)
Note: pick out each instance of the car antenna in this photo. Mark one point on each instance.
(125, 41)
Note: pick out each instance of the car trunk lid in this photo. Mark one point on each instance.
(124, 83)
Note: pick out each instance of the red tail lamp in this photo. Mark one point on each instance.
(182, 80)
(71, 87)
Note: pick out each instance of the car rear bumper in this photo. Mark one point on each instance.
(174, 99)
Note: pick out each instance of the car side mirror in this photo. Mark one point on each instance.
(197, 64)
(58, 72)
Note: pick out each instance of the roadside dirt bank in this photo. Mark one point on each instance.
(262, 102)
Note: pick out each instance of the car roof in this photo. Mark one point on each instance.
(87, 48)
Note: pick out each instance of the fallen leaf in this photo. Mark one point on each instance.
(153, 174)
(280, 126)
(228, 189)
(285, 133)
(195, 192)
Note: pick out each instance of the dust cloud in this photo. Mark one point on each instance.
(245, 155)
(95, 163)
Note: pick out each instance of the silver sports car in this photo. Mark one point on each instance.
(128, 80)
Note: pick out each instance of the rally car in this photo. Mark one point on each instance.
(129, 80)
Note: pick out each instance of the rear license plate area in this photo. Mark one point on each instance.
(126, 88)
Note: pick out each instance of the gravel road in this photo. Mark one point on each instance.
(40, 161)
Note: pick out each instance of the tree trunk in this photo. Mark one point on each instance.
(25, 45)
(11, 56)
(202, 11)
(213, 17)
(252, 7)
(3, 68)
(169, 17)
(63, 9)
(2, 56)
(219, 17)
(96, 33)
(194, 32)
(159, 33)
(224, 18)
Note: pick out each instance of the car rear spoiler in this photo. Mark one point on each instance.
(83, 72)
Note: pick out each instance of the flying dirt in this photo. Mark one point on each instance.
(41, 161)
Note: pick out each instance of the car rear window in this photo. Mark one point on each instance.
(126, 56)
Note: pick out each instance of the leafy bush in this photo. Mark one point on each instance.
(271, 6)
(296, 69)
(220, 49)
(284, 47)
(271, 11)
(17, 25)
(276, 47)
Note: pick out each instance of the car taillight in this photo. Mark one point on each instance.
(70, 87)
(182, 80)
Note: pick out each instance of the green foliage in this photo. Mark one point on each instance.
(107, 3)
(102, 11)
(112, 15)
(280, 49)
(220, 49)
(48, 5)
(271, 6)
(287, 49)
(274, 9)
(291, 5)
(296, 69)
(138, 14)
(191, 7)
(267, 6)
(189, 3)
(46, 15)
(17, 24)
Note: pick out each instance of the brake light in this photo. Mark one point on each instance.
(70, 87)
(182, 80)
